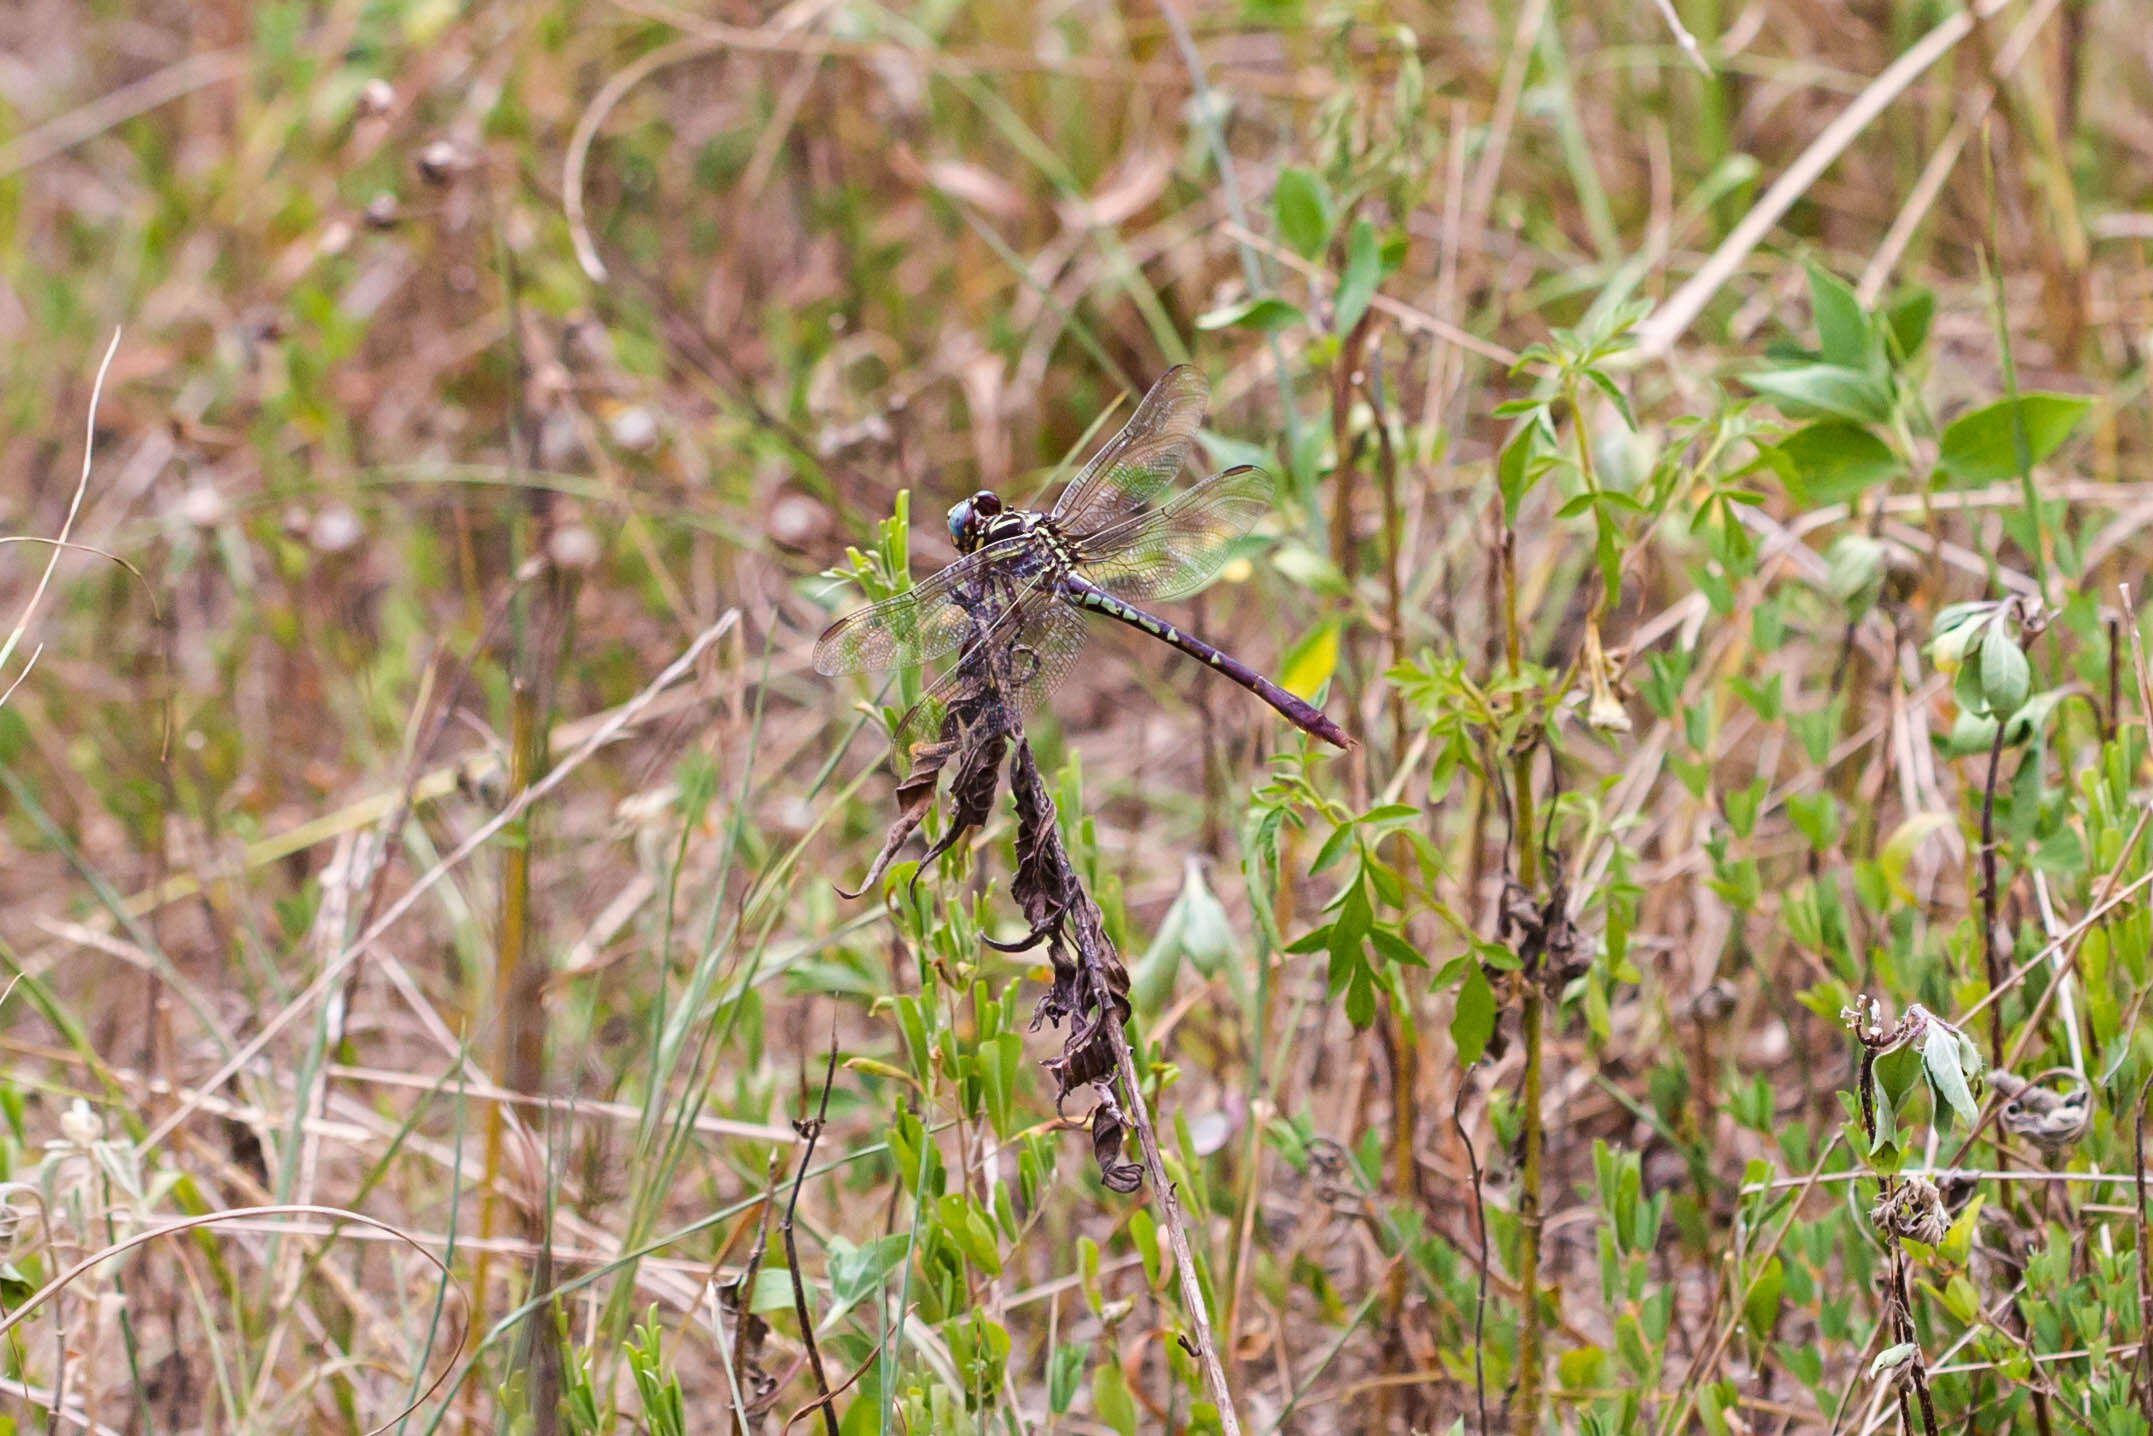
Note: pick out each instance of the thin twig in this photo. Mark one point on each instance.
(619, 720)
(1406, 315)
(1683, 37)
(67, 526)
(1480, 1296)
(1922, 197)
(37, 1299)
(1991, 963)
(1177, 1234)
(62, 133)
(707, 39)
(2144, 1375)
(1692, 1381)
(1667, 323)
(810, 1130)
(744, 1300)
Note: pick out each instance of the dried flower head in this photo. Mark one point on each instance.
(1914, 1209)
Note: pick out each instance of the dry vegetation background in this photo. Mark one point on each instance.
(479, 362)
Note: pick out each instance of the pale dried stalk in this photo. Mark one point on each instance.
(1666, 324)
(1177, 1235)
(621, 718)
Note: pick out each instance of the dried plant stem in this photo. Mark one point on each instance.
(1659, 332)
(1525, 1414)
(615, 723)
(1525, 1408)
(74, 507)
(810, 1130)
(1688, 42)
(1393, 549)
(2142, 1367)
(1480, 1284)
(1992, 965)
(1402, 1043)
(519, 1027)
(1177, 1234)
(1345, 478)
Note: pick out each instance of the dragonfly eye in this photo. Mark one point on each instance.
(968, 517)
(961, 526)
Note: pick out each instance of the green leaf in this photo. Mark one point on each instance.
(857, 1271)
(1907, 316)
(1302, 211)
(1940, 1059)
(1953, 631)
(954, 1215)
(1269, 314)
(1360, 998)
(1309, 664)
(1832, 462)
(1966, 689)
(1394, 948)
(1631, 1346)
(1314, 940)
(2006, 677)
(1896, 1073)
(1474, 1021)
(773, 1290)
(1900, 847)
(1854, 571)
(1355, 917)
(1111, 1402)
(1208, 934)
(1332, 847)
(1063, 1369)
(2032, 715)
(1832, 389)
(1958, 1243)
(1760, 1308)
(1622, 406)
(1580, 1367)
(1842, 328)
(1518, 467)
(1364, 266)
(1978, 448)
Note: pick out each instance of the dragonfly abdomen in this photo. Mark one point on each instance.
(1295, 709)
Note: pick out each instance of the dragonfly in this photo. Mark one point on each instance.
(1015, 604)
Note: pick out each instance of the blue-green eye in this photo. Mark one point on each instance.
(968, 518)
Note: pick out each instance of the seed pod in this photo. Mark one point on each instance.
(2051, 1120)
(1913, 1209)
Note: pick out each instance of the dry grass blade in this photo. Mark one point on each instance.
(333, 970)
(32, 1304)
(61, 543)
(1657, 335)
(478, 356)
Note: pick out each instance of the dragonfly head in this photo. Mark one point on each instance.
(968, 519)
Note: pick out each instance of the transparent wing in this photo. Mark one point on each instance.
(1128, 475)
(1018, 660)
(1173, 551)
(923, 622)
